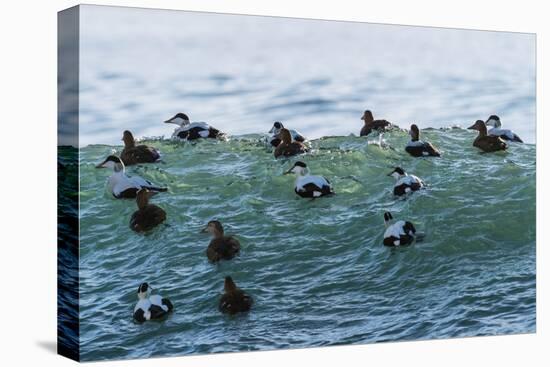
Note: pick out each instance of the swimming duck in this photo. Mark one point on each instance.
(504, 134)
(134, 154)
(234, 300)
(276, 129)
(400, 233)
(120, 184)
(287, 147)
(192, 131)
(221, 247)
(405, 183)
(419, 148)
(308, 186)
(150, 307)
(148, 216)
(372, 124)
(487, 143)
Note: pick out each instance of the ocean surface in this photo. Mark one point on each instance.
(317, 269)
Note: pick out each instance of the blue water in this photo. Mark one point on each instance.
(316, 269)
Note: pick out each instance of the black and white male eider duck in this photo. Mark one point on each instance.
(504, 134)
(308, 186)
(287, 147)
(276, 129)
(405, 183)
(400, 233)
(150, 307)
(221, 247)
(148, 216)
(188, 130)
(373, 125)
(123, 186)
(419, 148)
(234, 300)
(487, 143)
(134, 154)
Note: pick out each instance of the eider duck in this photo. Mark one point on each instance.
(234, 300)
(287, 147)
(372, 124)
(148, 216)
(134, 154)
(487, 143)
(400, 233)
(150, 307)
(419, 148)
(308, 186)
(276, 129)
(192, 131)
(405, 183)
(120, 184)
(504, 134)
(221, 247)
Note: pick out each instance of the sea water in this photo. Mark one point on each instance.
(317, 269)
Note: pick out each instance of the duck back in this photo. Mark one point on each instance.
(224, 248)
(147, 218)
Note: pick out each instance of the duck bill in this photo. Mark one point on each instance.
(272, 130)
(288, 172)
(473, 127)
(101, 165)
(204, 230)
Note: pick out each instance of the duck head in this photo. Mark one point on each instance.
(128, 139)
(387, 219)
(493, 121)
(285, 136)
(276, 129)
(143, 290)
(214, 227)
(299, 168)
(142, 197)
(414, 132)
(397, 173)
(367, 117)
(229, 285)
(480, 126)
(180, 119)
(113, 162)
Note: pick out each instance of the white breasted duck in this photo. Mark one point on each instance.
(134, 154)
(120, 184)
(192, 130)
(287, 147)
(419, 148)
(234, 300)
(400, 233)
(405, 183)
(276, 129)
(221, 247)
(148, 216)
(487, 143)
(504, 134)
(308, 186)
(373, 125)
(150, 307)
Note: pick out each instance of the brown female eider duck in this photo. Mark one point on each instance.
(148, 216)
(192, 131)
(287, 147)
(405, 183)
(504, 134)
(419, 148)
(221, 247)
(487, 143)
(134, 154)
(372, 124)
(234, 300)
(400, 233)
(308, 186)
(150, 307)
(120, 184)
(276, 129)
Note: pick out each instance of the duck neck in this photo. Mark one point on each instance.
(482, 130)
(218, 233)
